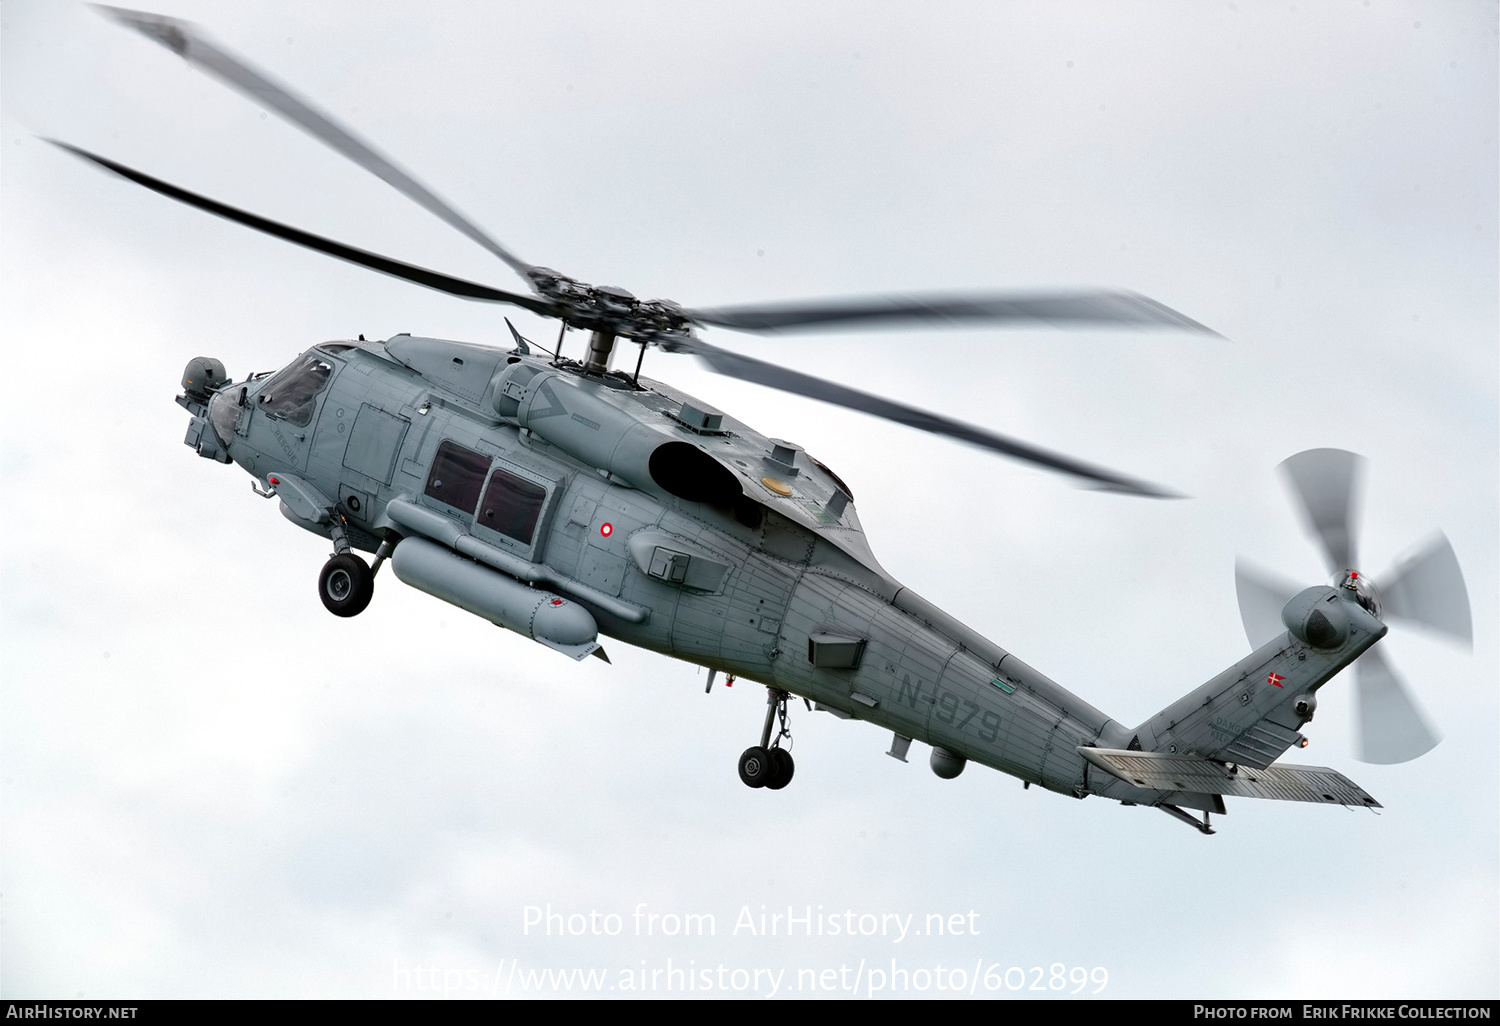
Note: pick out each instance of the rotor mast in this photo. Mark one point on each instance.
(601, 347)
(616, 305)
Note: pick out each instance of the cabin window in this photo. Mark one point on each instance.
(292, 394)
(511, 506)
(457, 476)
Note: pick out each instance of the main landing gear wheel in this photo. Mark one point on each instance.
(768, 764)
(346, 585)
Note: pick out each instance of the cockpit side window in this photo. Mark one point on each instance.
(292, 394)
(457, 476)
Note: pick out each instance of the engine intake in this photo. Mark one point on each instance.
(584, 423)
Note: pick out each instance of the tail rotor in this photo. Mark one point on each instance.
(1426, 588)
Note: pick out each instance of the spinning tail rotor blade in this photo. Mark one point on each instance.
(1086, 307)
(1428, 588)
(1262, 595)
(1391, 727)
(188, 42)
(773, 376)
(374, 261)
(1326, 483)
(1425, 588)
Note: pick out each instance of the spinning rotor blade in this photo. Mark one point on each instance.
(185, 40)
(1262, 595)
(374, 261)
(747, 369)
(1428, 588)
(1326, 483)
(1391, 727)
(1094, 306)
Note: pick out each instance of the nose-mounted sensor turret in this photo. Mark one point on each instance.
(202, 377)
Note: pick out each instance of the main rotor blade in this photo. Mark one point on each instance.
(1090, 306)
(747, 369)
(1262, 595)
(374, 261)
(1326, 481)
(188, 42)
(1391, 727)
(1428, 588)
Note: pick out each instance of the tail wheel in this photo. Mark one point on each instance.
(756, 767)
(782, 769)
(346, 585)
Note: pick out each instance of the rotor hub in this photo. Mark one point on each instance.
(1363, 589)
(608, 308)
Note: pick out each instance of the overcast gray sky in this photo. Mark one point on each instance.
(212, 787)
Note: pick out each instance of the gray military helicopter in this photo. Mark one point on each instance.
(565, 499)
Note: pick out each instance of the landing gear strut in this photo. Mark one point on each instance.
(768, 764)
(347, 584)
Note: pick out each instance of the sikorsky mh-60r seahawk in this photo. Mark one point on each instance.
(564, 499)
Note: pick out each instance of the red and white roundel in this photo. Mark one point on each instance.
(606, 529)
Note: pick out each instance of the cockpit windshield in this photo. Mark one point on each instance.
(291, 395)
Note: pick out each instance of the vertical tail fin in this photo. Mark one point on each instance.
(1253, 712)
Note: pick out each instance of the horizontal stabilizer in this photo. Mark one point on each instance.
(1317, 784)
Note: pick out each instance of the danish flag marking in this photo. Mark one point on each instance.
(1275, 679)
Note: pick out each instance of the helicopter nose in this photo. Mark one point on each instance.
(224, 414)
(215, 415)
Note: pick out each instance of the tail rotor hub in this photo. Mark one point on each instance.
(1364, 591)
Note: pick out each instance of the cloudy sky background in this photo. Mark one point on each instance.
(211, 787)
